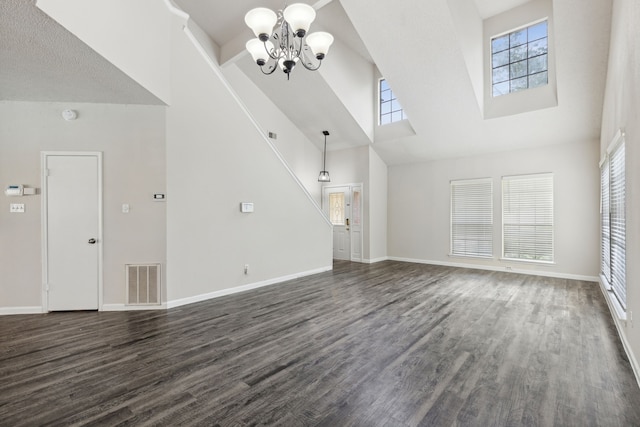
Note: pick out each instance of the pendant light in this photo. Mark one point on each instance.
(324, 174)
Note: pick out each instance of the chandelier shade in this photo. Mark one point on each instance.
(299, 16)
(283, 39)
(261, 21)
(319, 43)
(257, 50)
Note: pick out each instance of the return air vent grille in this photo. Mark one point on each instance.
(143, 284)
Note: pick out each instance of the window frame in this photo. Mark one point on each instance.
(551, 224)
(509, 33)
(484, 204)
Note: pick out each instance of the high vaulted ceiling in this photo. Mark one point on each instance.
(415, 44)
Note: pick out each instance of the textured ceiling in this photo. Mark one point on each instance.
(41, 61)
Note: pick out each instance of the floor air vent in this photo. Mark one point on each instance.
(143, 284)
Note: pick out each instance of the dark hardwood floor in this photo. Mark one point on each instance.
(388, 344)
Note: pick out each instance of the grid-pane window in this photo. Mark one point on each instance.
(519, 60)
(472, 217)
(617, 223)
(390, 109)
(527, 217)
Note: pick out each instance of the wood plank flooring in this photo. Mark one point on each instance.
(388, 344)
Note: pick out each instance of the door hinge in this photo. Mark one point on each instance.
(46, 172)
(46, 287)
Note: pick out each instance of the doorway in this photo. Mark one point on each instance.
(72, 230)
(343, 206)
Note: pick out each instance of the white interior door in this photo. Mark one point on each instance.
(338, 207)
(72, 230)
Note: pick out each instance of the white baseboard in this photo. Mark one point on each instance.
(621, 324)
(374, 260)
(124, 307)
(237, 289)
(500, 268)
(20, 310)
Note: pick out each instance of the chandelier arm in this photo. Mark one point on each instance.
(303, 60)
(275, 66)
(271, 55)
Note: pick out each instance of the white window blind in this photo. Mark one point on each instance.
(618, 223)
(527, 217)
(472, 217)
(605, 222)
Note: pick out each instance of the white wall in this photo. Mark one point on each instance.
(304, 158)
(419, 207)
(353, 88)
(377, 207)
(132, 140)
(622, 111)
(217, 158)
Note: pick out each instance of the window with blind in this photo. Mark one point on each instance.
(613, 222)
(605, 222)
(527, 217)
(472, 217)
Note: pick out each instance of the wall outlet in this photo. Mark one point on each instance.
(246, 269)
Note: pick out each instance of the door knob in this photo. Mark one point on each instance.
(92, 241)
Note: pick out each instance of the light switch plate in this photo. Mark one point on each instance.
(16, 208)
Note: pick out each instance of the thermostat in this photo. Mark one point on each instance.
(158, 197)
(14, 190)
(246, 207)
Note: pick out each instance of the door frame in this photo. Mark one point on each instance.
(44, 155)
(351, 186)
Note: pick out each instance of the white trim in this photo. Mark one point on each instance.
(124, 307)
(507, 269)
(176, 10)
(263, 134)
(618, 138)
(44, 214)
(5, 311)
(375, 260)
(620, 323)
(242, 288)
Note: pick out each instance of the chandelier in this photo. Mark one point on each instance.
(282, 39)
